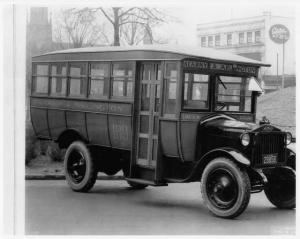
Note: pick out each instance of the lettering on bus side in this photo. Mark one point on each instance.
(120, 131)
(120, 108)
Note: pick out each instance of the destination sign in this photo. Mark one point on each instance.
(221, 67)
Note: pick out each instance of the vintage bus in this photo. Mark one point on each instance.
(163, 114)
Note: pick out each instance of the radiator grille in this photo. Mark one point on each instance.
(271, 143)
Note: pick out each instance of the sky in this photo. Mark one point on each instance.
(190, 17)
(184, 31)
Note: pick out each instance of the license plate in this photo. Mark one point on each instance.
(270, 158)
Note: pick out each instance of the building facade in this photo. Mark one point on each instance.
(254, 38)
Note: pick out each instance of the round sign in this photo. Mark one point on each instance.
(279, 33)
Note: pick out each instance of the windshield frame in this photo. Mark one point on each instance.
(215, 95)
(212, 94)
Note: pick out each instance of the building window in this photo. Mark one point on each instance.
(78, 79)
(229, 39)
(58, 79)
(122, 79)
(40, 78)
(203, 41)
(99, 75)
(249, 37)
(217, 40)
(257, 36)
(210, 41)
(241, 38)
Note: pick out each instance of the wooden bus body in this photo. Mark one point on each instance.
(143, 109)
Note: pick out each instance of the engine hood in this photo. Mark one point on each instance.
(228, 124)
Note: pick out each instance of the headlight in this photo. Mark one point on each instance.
(245, 139)
(288, 138)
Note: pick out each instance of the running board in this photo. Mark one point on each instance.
(176, 180)
(146, 182)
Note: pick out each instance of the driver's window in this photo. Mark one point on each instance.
(232, 94)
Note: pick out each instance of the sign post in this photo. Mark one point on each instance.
(280, 34)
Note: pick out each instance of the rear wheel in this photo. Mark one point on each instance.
(225, 188)
(80, 170)
(281, 188)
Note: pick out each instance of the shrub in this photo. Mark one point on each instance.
(54, 152)
(31, 145)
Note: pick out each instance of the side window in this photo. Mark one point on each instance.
(99, 75)
(122, 79)
(58, 76)
(40, 78)
(171, 76)
(78, 79)
(196, 91)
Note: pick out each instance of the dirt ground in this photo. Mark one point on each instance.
(44, 165)
(280, 108)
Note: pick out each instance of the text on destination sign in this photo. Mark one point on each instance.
(197, 65)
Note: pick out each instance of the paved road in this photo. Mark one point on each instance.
(113, 208)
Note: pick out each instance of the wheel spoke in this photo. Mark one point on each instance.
(76, 166)
(222, 188)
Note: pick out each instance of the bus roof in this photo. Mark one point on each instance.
(180, 51)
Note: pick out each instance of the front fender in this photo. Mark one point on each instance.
(291, 156)
(231, 153)
(234, 154)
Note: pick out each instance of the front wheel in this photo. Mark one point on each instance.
(281, 188)
(80, 170)
(225, 188)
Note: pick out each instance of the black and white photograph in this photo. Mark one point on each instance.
(139, 118)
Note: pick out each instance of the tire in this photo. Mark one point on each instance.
(80, 169)
(137, 186)
(225, 188)
(281, 188)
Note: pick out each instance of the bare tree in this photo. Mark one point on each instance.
(131, 22)
(76, 29)
(132, 33)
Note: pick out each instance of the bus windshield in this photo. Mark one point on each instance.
(232, 94)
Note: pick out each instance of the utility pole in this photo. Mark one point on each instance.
(277, 79)
(282, 80)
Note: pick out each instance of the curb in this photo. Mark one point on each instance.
(62, 177)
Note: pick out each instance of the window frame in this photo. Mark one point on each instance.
(210, 41)
(217, 42)
(125, 82)
(203, 43)
(229, 40)
(34, 76)
(97, 78)
(165, 92)
(70, 77)
(249, 34)
(241, 39)
(257, 38)
(187, 108)
(58, 76)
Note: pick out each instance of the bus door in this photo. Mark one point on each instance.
(147, 114)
